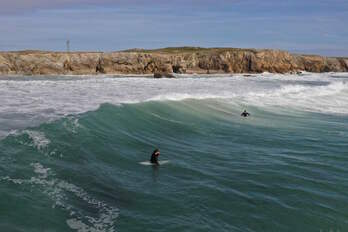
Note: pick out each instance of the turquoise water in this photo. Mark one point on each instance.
(283, 169)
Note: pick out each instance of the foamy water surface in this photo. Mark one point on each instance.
(29, 101)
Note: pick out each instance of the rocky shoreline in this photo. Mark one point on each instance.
(164, 62)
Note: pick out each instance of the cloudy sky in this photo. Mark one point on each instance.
(303, 26)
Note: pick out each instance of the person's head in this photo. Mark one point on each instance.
(245, 111)
(156, 152)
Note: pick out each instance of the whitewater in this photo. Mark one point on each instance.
(70, 148)
(29, 101)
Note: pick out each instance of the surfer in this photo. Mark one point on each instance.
(245, 114)
(154, 157)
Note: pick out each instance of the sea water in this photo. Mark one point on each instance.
(70, 149)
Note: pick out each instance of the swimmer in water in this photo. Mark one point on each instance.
(245, 114)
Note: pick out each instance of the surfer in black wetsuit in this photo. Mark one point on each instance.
(245, 114)
(154, 157)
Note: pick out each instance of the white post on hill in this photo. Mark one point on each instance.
(68, 49)
(68, 46)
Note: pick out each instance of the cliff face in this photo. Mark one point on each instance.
(166, 61)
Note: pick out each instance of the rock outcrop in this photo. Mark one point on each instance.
(166, 61)
(163, 75)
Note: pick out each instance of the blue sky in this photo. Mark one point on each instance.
(302, 26)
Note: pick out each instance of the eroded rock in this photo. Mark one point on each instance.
(164, 63)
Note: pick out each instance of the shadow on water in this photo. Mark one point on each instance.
(155, 173)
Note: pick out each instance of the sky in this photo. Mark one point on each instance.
(300, 26)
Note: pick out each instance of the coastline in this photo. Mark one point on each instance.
(184, 60)
(175, 76)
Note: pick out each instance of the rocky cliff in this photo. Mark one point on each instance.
(169, 60)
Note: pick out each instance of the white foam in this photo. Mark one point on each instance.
(72, 124)
(38, 138)
(331, 98)
(29, 102)
(180, 97)
(39, 169)
(60, 191)
(77, 225)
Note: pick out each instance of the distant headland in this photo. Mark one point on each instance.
(165, 61)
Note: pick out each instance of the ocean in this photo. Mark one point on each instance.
(71, 147)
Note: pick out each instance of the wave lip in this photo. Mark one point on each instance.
(184, 96)
(30, 102)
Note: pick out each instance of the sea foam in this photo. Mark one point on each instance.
(30, 102)
(59, 191)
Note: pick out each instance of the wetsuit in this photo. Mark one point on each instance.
(154, 159)
(245, 114)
